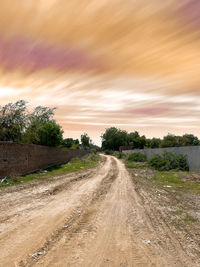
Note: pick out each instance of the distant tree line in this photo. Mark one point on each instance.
(113, 138)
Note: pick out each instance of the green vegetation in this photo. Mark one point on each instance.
(88, 161)
(169, 161)
(183, 217)
(137, 157)
(113, 138)
(109, 152)
(71, 143)
(178, 212)
(18, 124)
(85, 140)
(13, 121)
(135, 165)
(189, 219)
(119, 155)
(170, 180)
(44, 133)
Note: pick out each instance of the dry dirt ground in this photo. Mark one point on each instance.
(97, 217)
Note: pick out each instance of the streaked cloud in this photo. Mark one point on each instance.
(135, 64)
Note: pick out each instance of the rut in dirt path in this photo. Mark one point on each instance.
(96, 220)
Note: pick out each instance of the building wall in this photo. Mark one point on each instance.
(19, 158)
(192, 153)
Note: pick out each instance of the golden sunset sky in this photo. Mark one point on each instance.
(134, 64)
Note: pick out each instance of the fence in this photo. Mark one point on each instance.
(19, 158)
(192, 153)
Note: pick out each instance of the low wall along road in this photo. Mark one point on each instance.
(19, 158)
(192, 153)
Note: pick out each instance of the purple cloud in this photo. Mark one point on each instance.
(189, 12)
(149, 111)
(18, 52)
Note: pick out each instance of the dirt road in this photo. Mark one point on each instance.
(93, 218)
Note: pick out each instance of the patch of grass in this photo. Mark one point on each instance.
(88, 161)
(178, 212)
(189, 219)
(135, 165)
(171, 179)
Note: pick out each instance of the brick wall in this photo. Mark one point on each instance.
(19, 158)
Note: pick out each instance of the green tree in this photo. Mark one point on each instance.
(13, 119)
(50, 134)
(44, 133)
(85, 140)
(113, 138)
(190, 140)
(155, 143)
(68, 142)
(169, 140)
(71, 143)
(41, 114)
(136, 141)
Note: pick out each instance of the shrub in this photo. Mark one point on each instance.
(169, 161)
(119, 155)
(108, 152)
(137, 156)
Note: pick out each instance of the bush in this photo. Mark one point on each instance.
(169, 161)
(137, 156)
(119, 155)
(108, 152)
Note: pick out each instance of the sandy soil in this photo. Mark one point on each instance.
(92, 218)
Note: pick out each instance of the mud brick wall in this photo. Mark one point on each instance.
(19, 158)
(191, 152)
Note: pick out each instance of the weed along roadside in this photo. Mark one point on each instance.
(168, 171)
(74, 165)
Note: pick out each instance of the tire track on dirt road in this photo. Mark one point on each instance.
(32, 226)
(98, 222)
(115, 232)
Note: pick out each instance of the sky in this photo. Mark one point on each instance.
(125, 63)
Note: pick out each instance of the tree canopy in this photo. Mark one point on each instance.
(18, 124)
(85, 140)
(113, 138)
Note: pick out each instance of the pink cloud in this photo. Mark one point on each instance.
(149, 111)
(189, 12)
(18, 52)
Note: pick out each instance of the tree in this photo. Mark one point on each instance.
(155, 143)
(169, 140)
(41, 114)
(190, 140)
(50, 134)
(113, 138)
(71, 143)
(68, 142)
(85, 140)
(44, 133)
(38, 127)
(13, 119)
(136, 141)
(76, 141)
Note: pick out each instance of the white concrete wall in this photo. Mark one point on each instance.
(192, 153)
